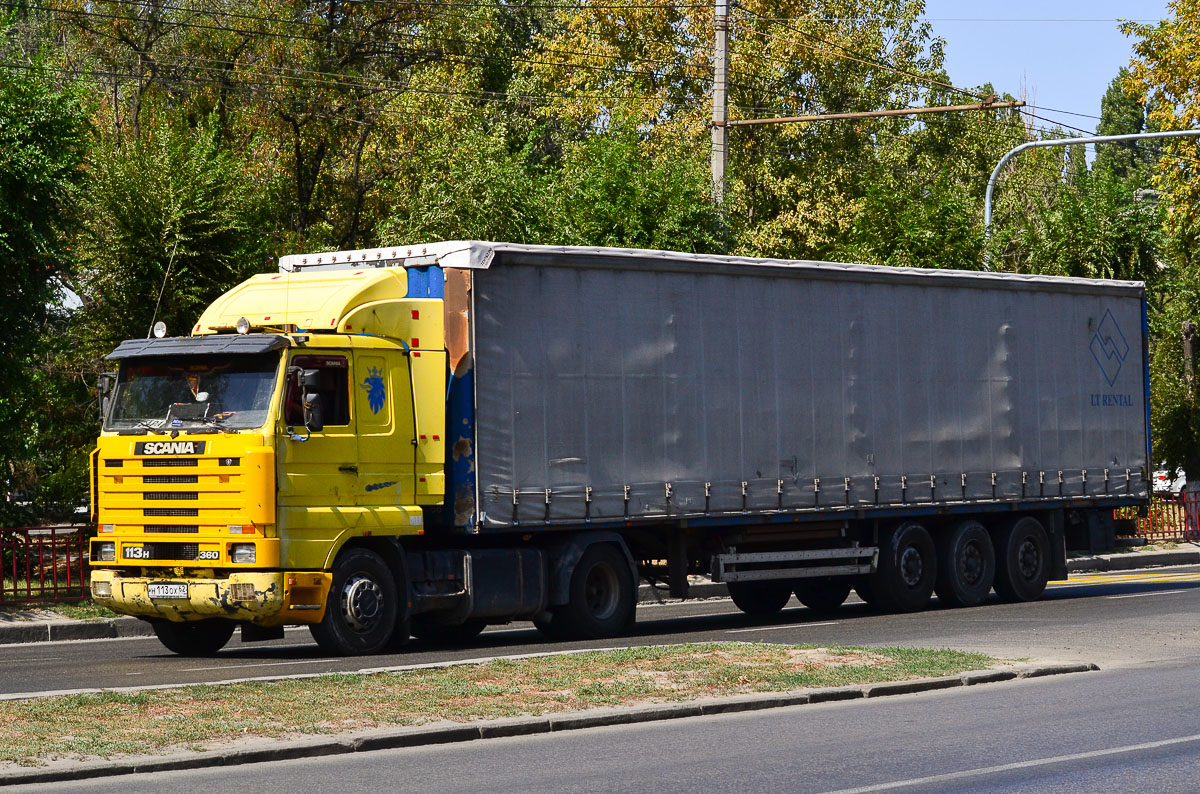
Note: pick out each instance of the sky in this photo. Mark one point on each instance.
(1059, 55)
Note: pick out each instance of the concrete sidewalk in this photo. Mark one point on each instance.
(41, 625)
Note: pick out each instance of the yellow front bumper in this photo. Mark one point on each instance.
(277, 598)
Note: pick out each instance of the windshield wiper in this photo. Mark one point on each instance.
(140, 428)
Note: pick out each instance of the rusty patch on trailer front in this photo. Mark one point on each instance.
(461, 449)
(457, 306)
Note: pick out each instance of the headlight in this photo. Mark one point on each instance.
(102, 589)
(242, 553)
(106, 552)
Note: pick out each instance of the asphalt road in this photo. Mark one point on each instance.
(1113, 620)
(1132, 728)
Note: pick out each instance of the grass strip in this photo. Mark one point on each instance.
(103, 725)
(75, 610)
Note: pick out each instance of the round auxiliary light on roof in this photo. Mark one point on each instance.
(243, 325)
(160, 329)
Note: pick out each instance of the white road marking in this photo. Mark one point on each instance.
(783, 627)
(1143, 595)
(273, 647)
(1033, 763)
(41, 659)
(255, 664)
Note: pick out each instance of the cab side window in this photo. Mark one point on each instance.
(334, 388)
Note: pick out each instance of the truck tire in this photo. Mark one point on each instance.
(1022, 560)
(360, 615)
(823, 594)
(194, 638)
(761, 598)
(440, 634)
(864, 587)
(907, 568)
(966, 566)
(601, 599)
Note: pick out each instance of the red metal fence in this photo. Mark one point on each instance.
(1169, 518)
(44, 563)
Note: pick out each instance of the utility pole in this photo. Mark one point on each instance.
(720, 112)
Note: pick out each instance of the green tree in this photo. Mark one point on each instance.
(1164, 76)
(1122, 114)
(168, 213)
(43, 140)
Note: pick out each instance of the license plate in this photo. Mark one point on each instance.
(168, 590)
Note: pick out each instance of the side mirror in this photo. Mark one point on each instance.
(310, 379)
(313, 419)
(104, 390)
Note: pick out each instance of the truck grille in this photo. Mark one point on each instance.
(175, 528)
(170, 479)
(168, 496)
(161, 462)
(171, 512)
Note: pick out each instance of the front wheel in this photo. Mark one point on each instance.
(197, 638)
(360, 615)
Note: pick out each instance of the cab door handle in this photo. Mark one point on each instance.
(348, 469)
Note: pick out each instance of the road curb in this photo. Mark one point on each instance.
(57, 630)
(1133, 561)
(449, 733)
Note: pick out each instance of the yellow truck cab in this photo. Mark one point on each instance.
(303, 414)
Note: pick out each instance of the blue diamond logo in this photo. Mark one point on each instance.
(1109, 348)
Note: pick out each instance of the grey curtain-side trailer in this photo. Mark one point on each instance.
(781, 426)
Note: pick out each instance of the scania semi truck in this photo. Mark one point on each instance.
(427, 439)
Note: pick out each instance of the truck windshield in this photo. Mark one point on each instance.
(191, 392)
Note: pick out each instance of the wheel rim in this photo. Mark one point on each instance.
(1029, 559)
(970, 564)
(911, 566)
(362, 602)
(601, 591)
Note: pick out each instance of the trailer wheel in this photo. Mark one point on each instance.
(194, 638)
(460, 634)
(823, 594)
(601, 600)
(360, 616)
(761, 598)
(1022, 560)
(966, 566)
(907, 568)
